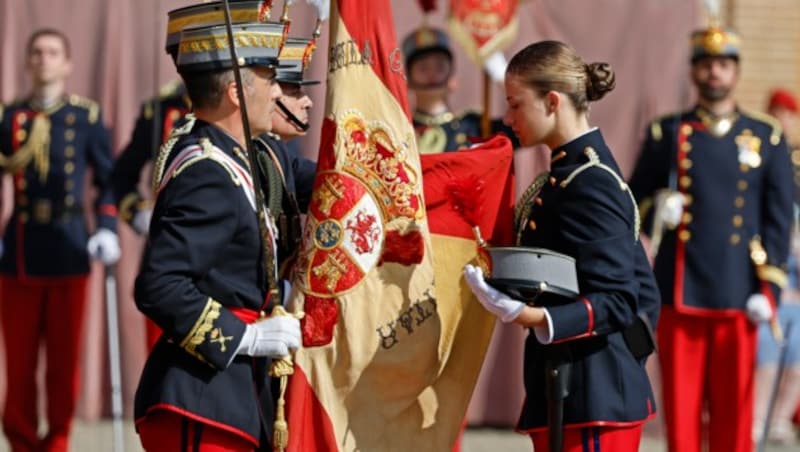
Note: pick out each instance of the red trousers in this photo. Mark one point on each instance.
(592, 439)
(707, 361)
(167, 431)
(52, 312)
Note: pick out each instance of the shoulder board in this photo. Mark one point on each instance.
(170, 89)
(656, 127)
(594, 161)
(88, 104)
(777, 130)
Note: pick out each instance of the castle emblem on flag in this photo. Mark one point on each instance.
(346, 229)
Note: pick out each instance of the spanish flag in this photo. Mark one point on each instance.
(392, 341)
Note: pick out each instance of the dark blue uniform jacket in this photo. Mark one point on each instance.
(585, 211)
(49, 153)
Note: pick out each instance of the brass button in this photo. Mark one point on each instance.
(69, 167)
(69, 135)
(737, 221)
(21, 118)
(688, 199)
(552, 180)
(70, 119)
(21, 135)
(461, 138)
(538, 201)
(69, 184)
(69, 151)
(685, 182)
(532, 225)
(174, 114)
(687, 217)
(742, 185)
(69, 200)
(735, 239)
(23, 217)
(686, 164)
(744, 167)
(686, 129)
(686, 146)
(684, 236)
(738, 202)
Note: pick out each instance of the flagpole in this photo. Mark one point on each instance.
(485, 120)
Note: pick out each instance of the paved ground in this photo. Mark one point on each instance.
(97, 437)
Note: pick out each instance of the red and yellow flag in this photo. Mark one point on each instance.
(381, 368)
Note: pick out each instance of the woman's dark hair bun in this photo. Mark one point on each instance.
(600, 80)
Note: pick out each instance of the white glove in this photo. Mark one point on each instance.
(104, 246)
(505, 308)
(496, 66)
(141, 221)
(670, 207)
(273, 337)
(758, 309)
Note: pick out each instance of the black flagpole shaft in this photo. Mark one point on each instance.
(251, 154)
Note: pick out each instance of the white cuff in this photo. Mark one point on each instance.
(544, 334)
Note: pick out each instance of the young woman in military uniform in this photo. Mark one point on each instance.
(582, 209)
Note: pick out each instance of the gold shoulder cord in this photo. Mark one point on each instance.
(524, 206)
(166, 149)
(594, 161)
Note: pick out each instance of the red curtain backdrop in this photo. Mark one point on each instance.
(117, 50)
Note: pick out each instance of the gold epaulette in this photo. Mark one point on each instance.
(170, 89)
(777, 130)
(656, 130)
(594, 161)
(84, 102)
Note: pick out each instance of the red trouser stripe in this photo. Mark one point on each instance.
(593, 439)
(707, 361)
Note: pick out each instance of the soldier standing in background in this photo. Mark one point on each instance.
(48, 141)
(717, 181)
(430, 72)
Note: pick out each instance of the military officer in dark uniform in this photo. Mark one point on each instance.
(48, 141)
(715, 183)
(209, 264)
(583, 209)
(430, 73)
(157, 117)
(156, 120)
(290, 175)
